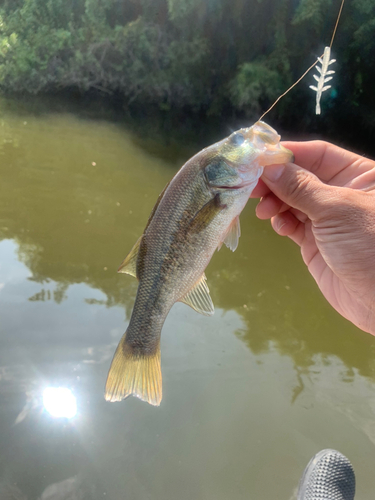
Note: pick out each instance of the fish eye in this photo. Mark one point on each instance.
(237, 139)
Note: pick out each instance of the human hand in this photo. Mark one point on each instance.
(325, 203)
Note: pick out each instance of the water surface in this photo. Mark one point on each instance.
(249, 394)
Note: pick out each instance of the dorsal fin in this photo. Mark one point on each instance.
(160, 197)
(199, 298)
(129, 264)
(232, 235)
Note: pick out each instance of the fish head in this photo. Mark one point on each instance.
(239, 159)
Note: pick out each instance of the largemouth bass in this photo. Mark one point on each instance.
(196, 213)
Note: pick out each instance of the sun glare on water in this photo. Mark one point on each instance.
(59, 402)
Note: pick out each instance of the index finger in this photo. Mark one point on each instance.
(332, 164)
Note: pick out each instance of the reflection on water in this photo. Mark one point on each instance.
(59, 402)
(272, 378)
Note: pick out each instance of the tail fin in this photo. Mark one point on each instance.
(134, 374)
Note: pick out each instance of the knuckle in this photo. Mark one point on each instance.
(300, 185)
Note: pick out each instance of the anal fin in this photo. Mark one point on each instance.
(199, 298)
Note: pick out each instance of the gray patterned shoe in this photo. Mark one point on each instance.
(328, 476)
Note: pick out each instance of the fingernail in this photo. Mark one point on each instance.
(273, 172)
(280, 223)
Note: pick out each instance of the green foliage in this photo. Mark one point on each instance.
(51, 45)
(255, 87)
(312, 11)
(363, 37)
(179, 10)
(210, 55)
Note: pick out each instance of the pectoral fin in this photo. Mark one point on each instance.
(129, 264)
(232, 235)
(206, 214)
(199, 298)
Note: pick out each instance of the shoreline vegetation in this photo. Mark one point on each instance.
(218, 61)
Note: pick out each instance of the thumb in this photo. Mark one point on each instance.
(300, 189)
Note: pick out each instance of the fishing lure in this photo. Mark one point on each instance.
(323, 77)
(325, 61)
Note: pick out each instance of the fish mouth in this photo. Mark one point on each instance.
(277, 154)
(265, 142)
(242, 185)
(262, 134)
(232, 188)
(249, 151)
(292, 158)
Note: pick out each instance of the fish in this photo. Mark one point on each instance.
(196, 213)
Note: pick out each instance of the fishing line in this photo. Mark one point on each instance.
(337, 22)
(310, 68)
(290, 88)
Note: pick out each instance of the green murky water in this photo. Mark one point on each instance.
(249, 394)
